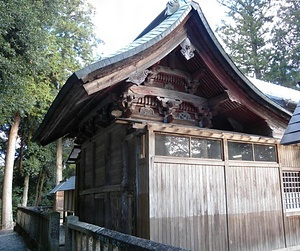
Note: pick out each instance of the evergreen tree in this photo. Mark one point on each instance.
(284, 67)
(246, 34)
(41, 42)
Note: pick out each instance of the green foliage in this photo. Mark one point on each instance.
(284, 68)
(37, 157)
(41, 43)
(263, 42)
(246, 35)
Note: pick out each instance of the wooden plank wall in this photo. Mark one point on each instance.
(143, 200)
(213, 207)
(290, 160)
(105, 188)
(187, 206)
(69, 200)
(254, 208)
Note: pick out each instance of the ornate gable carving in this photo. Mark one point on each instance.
(167, 95)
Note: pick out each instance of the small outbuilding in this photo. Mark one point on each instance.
(177, 145)
(65, 196)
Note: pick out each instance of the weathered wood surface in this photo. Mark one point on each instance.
(104, 192)
(187, 209)
(289, 157)
(143, 200)
(69, 200)
(254, 208)
(187, 206)
(193, 203)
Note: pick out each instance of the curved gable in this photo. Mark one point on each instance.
(174, 72)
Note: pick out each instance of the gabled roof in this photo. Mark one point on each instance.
(68, 185)
(88, 88)
(57, 187)
(292, 132)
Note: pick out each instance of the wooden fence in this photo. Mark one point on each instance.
(88, 237)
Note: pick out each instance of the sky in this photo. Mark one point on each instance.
(119, 22)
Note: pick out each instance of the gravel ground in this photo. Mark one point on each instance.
(11, 241)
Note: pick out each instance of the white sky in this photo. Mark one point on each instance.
(119, 22)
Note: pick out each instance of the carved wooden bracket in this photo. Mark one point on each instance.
(195, 82)
(168, 107)
(138, 77)
(277, 132)
(204, 115)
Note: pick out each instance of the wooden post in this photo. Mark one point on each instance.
(108, 216)
(124, 199)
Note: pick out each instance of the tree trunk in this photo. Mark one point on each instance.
(25, 191)
(39, 187)
(7, 213)
(21, 152)
(59, 166)
(26, 178)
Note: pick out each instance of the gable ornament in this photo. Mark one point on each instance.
(187, 49)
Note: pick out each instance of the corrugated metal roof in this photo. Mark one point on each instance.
(57, 187)
(64, 185)
(68, 185)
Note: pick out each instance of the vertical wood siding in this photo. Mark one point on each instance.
(187, 206)
(254, 208)
(143, 200)
(289, 157)
(104, 198)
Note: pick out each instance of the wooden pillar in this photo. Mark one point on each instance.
(124, 199)
(108, 216)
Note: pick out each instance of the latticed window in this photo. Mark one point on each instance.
(291, 188)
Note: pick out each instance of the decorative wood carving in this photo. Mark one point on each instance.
(277, 132)
(161, 94)
(184, 116)
(194, 84)
(138, 77)
(169, 104)
(147, 111)
(204, 116)
(187, 49)
(233, 98)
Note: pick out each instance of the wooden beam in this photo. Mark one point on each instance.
(138, 63)
(168, 94)
(215, 101)
(169, 71)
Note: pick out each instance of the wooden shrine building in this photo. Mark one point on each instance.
(177, 145)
